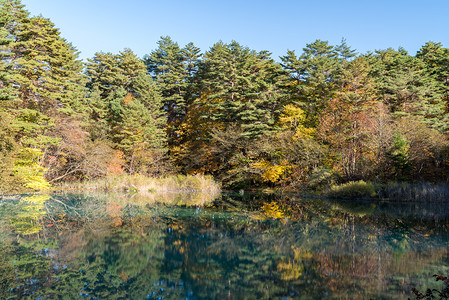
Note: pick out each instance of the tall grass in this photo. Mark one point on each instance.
(401, 191)
(145, 185)
(392, 191)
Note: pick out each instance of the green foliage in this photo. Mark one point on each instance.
(433, 293)
(236, 157)
(353, 189)
(126, 109)
(28, 170)
(44, 83)
(320, 178)
(310, 80)
(408, 86)
(399, 156)
(240, 86)
(436, 60)
(173, 69)
(32, 127)
(47, 74)
(6, 16)
(232, 112)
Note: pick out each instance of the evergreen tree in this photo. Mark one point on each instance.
(399, 156)
(7, 142)
(103, 74)
(238, 98)
(192, 56)
(167, 66)
(294, 69)
(47, 72)
(98, 126)
(344, 51)
(46, 79)
(240, 85)
(436, 60)
(406, 87)
(313, 76)
(126, 108)
(5, 41)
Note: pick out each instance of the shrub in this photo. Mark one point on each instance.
(320, 177)
(353, 189)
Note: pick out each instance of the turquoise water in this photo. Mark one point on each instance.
(112, 246)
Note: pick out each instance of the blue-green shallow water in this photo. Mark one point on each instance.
(110, 246)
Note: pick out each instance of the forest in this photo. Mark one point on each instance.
(316, 116)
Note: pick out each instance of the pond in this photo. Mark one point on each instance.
(116, 246)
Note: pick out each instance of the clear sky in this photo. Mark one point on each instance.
(110, 26)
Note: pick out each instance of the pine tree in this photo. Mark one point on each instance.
(436, 60)
(103, 73)
(7, 142)
(47, 72)
(237, 98)
(312, 76)
(192, 56)
(167, 66)
(399, 156)
(45, 77)
(98, 126)
(406, 87)
(240, 85)
(344, 51)
(126, 108)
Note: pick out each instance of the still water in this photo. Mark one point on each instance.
(114, 246)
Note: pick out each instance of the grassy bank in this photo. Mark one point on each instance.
(144, 185)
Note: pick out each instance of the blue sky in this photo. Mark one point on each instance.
(110, 26)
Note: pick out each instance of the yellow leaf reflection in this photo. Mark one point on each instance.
(273, 210)
(294, 268)
(28, 219)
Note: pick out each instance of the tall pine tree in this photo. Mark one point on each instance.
(240, 86)
(126, 107)
(167, 66)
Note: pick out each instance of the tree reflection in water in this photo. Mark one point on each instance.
(117, 246)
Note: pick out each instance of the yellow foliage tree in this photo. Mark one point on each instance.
(272, 172)
(194, 153)
(294, 118)
(29, 171)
